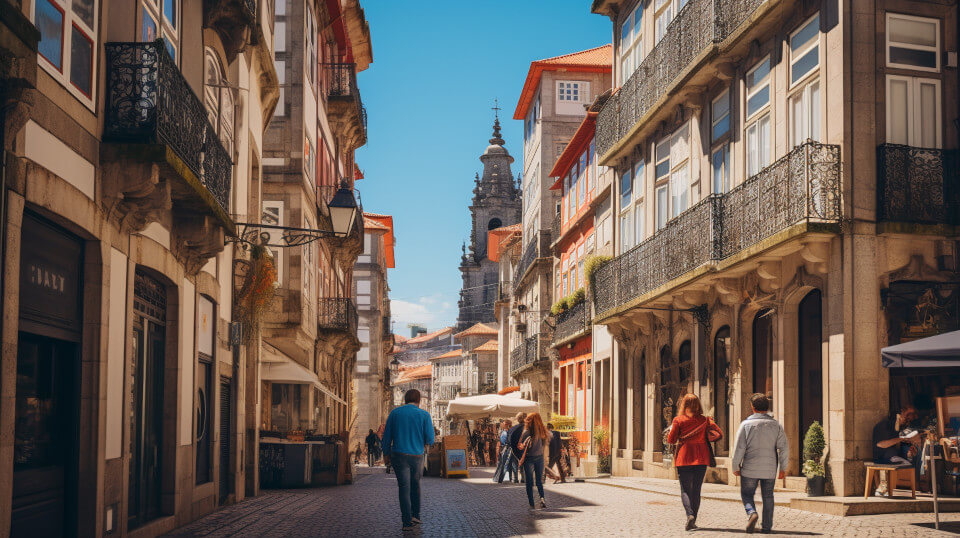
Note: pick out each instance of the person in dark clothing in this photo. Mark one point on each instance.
(690, 432)
(556, 449)
(533, 440)
(888, 445)
(513, 439)
(373, 447)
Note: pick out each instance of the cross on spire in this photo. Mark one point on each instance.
(496, 109)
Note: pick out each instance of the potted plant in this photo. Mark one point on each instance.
(601, 438)
(813, 445)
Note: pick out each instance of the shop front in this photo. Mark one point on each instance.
(47, 408)
(576, 393)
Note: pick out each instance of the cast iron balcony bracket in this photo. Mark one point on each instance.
(249, 234)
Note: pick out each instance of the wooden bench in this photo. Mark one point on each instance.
(894, 472)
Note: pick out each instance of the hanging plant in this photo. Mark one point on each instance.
(257, 290)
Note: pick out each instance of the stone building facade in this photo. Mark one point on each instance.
(794, 163)
(372, 394)
(132, 136)
(495, 203)
(552, 104)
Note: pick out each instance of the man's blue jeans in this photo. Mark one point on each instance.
(748, 488)
(409, 469)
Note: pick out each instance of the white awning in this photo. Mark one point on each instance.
(489, 405)
(287, 372)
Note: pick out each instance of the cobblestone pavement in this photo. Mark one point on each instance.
(478, 507)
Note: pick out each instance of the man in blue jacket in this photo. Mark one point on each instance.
(408, 430)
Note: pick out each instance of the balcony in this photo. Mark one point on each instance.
(530, 352)
(161, 151)
(690, 38)
(803, 187)
(917, 186)
(538, 247)
(337, 322)
(572, 323)
(344, 107)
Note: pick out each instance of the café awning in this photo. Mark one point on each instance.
(489, 406)
(294, 374)
(937, 351)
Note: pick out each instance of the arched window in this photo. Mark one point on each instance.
(494, 224)
(218, 99)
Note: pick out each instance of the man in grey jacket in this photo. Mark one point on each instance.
(760, 457)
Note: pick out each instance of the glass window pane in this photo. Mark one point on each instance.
(928, 115)
(721, 107)
(149, 30)
(919, 58)
(638, 223)
(814, 133)
(171, 49)
(280, 8)
(279, 36)
(806, 34)
(81, 62)
(912, 31)
(49, 21)
(808, 62)
(759, 74)
(626, 186)
(758, 100)
(661, 207)
(722, 127)
(83, 9)
(170, 12)
(798, 133)
(752, 141)
(764, 124)
(897, 104)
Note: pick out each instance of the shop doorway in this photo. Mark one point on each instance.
(146, 425)
(721, 363)
(763, 353)
(47, 387)
(810, 364)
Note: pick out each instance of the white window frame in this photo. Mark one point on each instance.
(754, 120)
(812, 117)
(631, 48)
(914, 112)
(572, 91)
(724, 149)
(218, 99)
(662, 209)
(935, 49)
(714, 120)
(796, 55)
(63, 74)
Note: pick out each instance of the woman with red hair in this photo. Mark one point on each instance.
(690, 433)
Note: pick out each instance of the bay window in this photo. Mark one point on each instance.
(68, 37)
(720, 135)
(672, 170)
(805, 92)
(758, 117)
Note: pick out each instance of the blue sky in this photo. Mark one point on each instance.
(437, 66)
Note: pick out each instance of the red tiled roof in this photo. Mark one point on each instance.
(489, 345)
(477, 330)
(418, 372)
(448, 355)
(370, 224)
(595, 60)
(385, 221)
(496, 236)
(399, 338)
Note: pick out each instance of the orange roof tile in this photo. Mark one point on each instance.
(389, 240)
(489, 345)
(370, 224)
(595, 60)
(399, 338)
(448, 355)
(419, 372)
(578, 142)
(429, 336)
(477, 330)
(496, 236)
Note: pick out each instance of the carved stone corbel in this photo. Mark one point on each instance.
(198, 238)
(769, 274)
(134, 193)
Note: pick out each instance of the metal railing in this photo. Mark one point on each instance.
(698, 25)
(918, 185)
(338, 314)
(342, 84)
(573, 321)
(538, 247)
(150, 102)
(804, 185)
(528, 352)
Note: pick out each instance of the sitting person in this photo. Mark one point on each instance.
(889, 447)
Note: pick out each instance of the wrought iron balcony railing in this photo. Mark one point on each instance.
(572, 322)
(802, 186)
(338, 314)
(698, 25)
(538, 247)
(918, 185)
(150, 102)
(342, 84)
(529, 352)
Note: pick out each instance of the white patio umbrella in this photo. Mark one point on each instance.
(489, 406)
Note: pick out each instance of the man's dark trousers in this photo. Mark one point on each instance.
(409, 469)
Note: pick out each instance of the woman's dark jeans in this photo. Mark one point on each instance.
(533, 470)
(691, 479)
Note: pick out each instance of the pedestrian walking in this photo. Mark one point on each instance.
(373, 444)
(691, 433)
(513, 438)
(408, 430)
(533, 441)
(556, 450)
(505, 466)
(760, 457)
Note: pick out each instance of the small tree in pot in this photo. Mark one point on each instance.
(813, 445)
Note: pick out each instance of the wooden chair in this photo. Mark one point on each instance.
(894, 472)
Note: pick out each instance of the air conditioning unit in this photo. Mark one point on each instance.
(521, 327)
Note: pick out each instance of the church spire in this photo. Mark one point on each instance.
(497, 139)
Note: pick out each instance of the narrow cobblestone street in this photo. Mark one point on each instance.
(477, 507)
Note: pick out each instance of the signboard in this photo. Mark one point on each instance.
(50, 261)
(456, 461)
